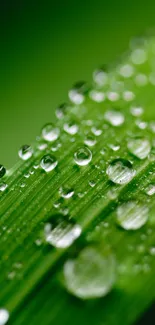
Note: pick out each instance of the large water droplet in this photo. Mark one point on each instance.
(115, 118)
(71, 127)
(50, 132)
(132, 215)
(25, 152)
(61, 232)
(4, 316)
(139, 147)
(120, 171)
(83, 156)
(2, 171)
(48, 163)
(91, 275)
(78, 92)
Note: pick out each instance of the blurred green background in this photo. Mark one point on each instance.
(48, 45)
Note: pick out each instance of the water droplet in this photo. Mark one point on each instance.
(139, 147)
(78, 92)
(60, 232)
(115, 118)
(141, 124)
(2, 171)
(152, 126)
(100, 77)
(83, 156)
(66, 192)
(113, 96)
(50, 132)
(4, 316)
(61, 111)
(25, 152)
(3, 187)
(138, 56)
(114, 147)
(150, 189)
(48, 163)
(120, 171)
(141, 80)
(97, 96)
(96, 131)
(126, 70)
(152, 251)
(137, 111)
(90, 141)
(91, 275)
(128, 95)
(42, 146)
(132, 215)
(71, 127)
(92, 183)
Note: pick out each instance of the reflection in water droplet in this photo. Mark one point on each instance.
(120, 171)
(71, 127)
(61, 232)
(3, 187)
(115, 118)
(139, 147)
(132, 215)
(4, 316)
(83, 156)
(50, 132)
(48, 163)
(91, 275)
(2, 171)
(78, 92)
(25, 152)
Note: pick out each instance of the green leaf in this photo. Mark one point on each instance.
(94, 171)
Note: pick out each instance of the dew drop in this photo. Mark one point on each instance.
(78, 92)
(2, 171)
(3, 187)
(90, 141)
(152, 251)
(60, 232)
(132, 215)
(137, 111)
(120, 171)
(97, 96)
(50, 132)
(126, 70)
(25, 152)
(66, 192)
(100, 77)
(91, 275)
(139, 147)
(150, 190)
(83, 156)
(61, 111)
(141, 80)
(128, 95)
(4, 316)
(138, 56)
(48, 163)
(71, 127)
(115, 118)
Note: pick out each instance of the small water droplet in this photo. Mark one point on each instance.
(137, 111)
(152, 251)
(115, 118)
(25, 152)
(126, 70)
(113, 96)
(96, 131)
(138, 56)
(4, 316)
(60, 232)
(150, 190)
(83, 156)
(48, 163)
(128, 95)
(50, 132)
(91, 275)
(3, 187)
(92, 183)
(78, 92)
(100, 77)
(141, 124)
(139, 147)
(66, 192)
(97, 96)
(120, 171)
(141, 80)
(132, 215)
(71, 127)
(61, 111)
(90, 141)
